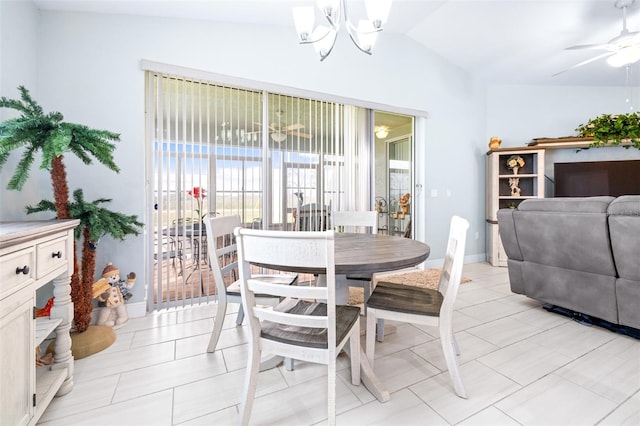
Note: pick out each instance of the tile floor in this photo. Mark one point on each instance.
(520, 365)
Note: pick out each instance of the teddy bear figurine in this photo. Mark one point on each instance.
(112, 292)
(404, 206)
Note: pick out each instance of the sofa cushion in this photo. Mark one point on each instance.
(577, 241)
(574, 204)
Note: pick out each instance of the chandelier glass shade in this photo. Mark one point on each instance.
(323, 37)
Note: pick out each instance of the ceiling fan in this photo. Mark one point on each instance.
(620, 51)
(279, 132)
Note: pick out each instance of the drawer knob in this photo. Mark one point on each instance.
(57, 254)
(24, 270)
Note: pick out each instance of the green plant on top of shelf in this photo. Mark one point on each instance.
(612, 130)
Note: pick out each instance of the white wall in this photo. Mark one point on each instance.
(89, 69)
(517, 114)
(19, 66)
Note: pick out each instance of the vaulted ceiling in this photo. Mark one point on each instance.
(496, 41)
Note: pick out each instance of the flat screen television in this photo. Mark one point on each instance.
(588, 179)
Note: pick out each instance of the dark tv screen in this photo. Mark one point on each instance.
(588, 179)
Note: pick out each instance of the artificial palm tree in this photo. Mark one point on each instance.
(95, 222)
(36, 131)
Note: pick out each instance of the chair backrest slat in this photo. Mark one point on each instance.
(453, 262)
(355, 221)
(292, 319)
(301, 292)
(283, 250)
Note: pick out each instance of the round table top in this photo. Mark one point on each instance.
(369, 253)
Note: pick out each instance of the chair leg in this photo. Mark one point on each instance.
(250, 383)
(446, 340)
(354, 354)
(456, 348)
(370, 336)
(380, 332)
(240, 316)
(218, 320)
(288, 364)
(331, 392)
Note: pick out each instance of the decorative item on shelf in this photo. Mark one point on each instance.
(515, 189)
(404, 206)
(45, 311)
(512, 205)
(494, 142)
(515, 162)
(613, 130)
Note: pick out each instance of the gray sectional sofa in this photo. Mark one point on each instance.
(582, 254)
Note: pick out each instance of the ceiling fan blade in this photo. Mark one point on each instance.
(588, 61)
(296, 126)
(600, 46)
(299, 134)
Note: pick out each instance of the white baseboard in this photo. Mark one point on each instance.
(474, 258)
(134, 310)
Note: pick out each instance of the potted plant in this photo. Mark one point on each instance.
(36, 131)
(613, 130)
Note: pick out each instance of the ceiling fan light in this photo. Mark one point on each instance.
(624, 57)
(279, 136)
(381, 131)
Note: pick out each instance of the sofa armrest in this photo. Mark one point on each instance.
(507, 230)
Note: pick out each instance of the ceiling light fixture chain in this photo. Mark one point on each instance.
(323, 38)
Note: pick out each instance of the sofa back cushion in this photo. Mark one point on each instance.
(566, 233)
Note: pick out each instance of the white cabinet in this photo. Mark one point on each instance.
(507, 187)
(31, 255)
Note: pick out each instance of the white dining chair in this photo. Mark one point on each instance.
(223, 261)
(356, 221)
(307, 325)
(425, 306)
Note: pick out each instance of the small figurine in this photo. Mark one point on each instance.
(404, 206)
(515, 189)
(112, 292)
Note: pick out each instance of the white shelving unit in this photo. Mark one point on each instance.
(499, 195)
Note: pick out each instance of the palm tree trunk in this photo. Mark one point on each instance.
(60, 188)
(81, 317)
(83, 312)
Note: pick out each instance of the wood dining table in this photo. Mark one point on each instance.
(365, 254)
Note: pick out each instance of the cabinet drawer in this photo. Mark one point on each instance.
(51, 255)
(17, 270)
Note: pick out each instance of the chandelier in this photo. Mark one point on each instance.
(323, 37)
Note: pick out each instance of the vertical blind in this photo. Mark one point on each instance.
(227, 150)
